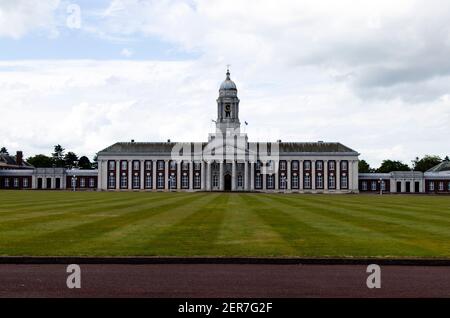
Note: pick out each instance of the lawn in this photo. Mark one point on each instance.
(223, 224)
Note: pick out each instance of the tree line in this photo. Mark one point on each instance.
(59, 159)
(418, 164)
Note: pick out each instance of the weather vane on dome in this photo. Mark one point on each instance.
(228, 67)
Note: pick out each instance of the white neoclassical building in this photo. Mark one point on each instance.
(228, 161)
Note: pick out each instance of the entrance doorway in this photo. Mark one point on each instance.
(417, 187)
(48, 183)
(399, 186)
(408, 186)
(39, 183)
(58, 183)
(227, 182)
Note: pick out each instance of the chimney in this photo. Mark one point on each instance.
(19, 158)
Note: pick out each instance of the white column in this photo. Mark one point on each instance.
(208, 176)
(338, 174)
(313, 174)
(325, 174)
(154, 177)
(191, 175)
(276, 174)
(178, 175)
(130, 174)
(252, 176)
(203, 176)
(246, 175)
(221, 186)
(288, 177)
(141, 174)
(264, 166)
(355, 176)
(117, 174)
(166, 174)
(300, 177)
(99, 176)
(233, 176)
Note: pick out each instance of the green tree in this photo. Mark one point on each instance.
(364, 167)
(447, 158)
(70, 159)
(84, 163)
(94, 164)
(3, 150)
(40, 161)
(58, 156)
(426, 163)
(392, 165)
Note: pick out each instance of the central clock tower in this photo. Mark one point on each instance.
(228, 107)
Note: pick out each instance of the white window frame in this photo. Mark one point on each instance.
(319, 165)
(344, 182)
(16, 182)
(240, 182)
(383, 185)
(148, 165)
(307, 165)
(319, 181)
(295, 165)
(25, 182)
(215, 181)
(331, 165)
(307, 181)
(136, 181)
(197, 181)
(123, 181)
(295, 182)
(82, 182)
(332, 182)
(269, 180)
(123, 165)
(112, 165)
(91, 182)
(160, 181)
(431, 185)
(258, 181)
(344, 165)
(184, 181)
(148, 181)
(111, 181)
(441, 185)
(364, 185)
(373, 186)
(136, 165)
(283, 165)
(161, 164)
(283, 183)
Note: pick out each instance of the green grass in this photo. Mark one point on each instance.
(223, 224)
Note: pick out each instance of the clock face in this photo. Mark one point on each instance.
(227, 107)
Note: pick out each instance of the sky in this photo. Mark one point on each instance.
(373, 75)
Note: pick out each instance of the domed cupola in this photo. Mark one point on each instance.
(228, 87)
(228, 106)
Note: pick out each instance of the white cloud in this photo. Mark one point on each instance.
(374, 75)
(19, 17)
(126, 52)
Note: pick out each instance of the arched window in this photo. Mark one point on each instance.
(240, 179)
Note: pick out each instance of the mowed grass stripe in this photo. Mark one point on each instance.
(136, 238)
(437, 212)
(65, 213)
(354, 237)
(58, 239)
(404, 235)
(198, 233)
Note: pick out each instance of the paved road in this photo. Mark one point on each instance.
(172, 280)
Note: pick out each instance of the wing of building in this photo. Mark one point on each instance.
(225, 161)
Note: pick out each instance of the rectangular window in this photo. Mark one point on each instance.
(112, 165)
(383, 186)
(197, 166)
(431, 185)
(136, 165)
(136, 181)
(319, 165)
(215, 181)
(307, 181)
(160, 183)
(364, 185)
(258, 183)
(441, 185)
(270, 181)
(123, 165)
(197, 181)
(148, 165)
(282, 165)
(148, 181)
(283, 182)
(295, 181)
(331, 182)
(331, 165)
(374, 186)
(319, 181)
(74, 182)
(160, 165)
(185, 166)
(82, 183)
(91, 182)
(307, 165)
(173, 165)
(240, 182)
(25, 182)
(344, 165)
(258, 165)
(344, 182)
(295, 165)
(185, 181)
(173, 181)
(16, 182)
(123, 180)
(111, 181)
